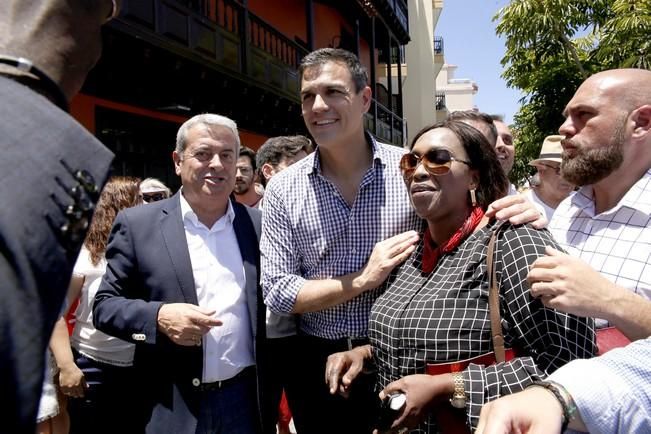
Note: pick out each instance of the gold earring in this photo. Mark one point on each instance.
(473, 197)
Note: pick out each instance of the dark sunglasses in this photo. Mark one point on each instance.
(153, 197)
(437, 162)
(556, 169)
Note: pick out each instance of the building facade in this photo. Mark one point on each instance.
(167, 60)
(424, 60)
(458, 93)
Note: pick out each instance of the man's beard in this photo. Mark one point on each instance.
(589, 166)
(241, 188)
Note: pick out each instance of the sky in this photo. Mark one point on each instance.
(471, 44)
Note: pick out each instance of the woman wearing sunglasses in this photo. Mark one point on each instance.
(434, 311)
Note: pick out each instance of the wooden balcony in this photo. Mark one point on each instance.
(387, 126)
(194, 56)
(221, 34)
(395, 14)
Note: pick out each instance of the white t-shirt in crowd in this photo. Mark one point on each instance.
(85, 338)
(545, 209)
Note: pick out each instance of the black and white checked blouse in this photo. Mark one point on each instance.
(310, 232)
(444, 317)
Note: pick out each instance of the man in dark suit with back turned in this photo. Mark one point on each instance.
(181, 283)
(51, 172)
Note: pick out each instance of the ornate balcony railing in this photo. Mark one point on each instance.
(438, 45)
(225, 35)
(388, 127)
(440, 101)
(221, 32)
(400, 9)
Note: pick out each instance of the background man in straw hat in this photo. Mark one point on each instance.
(153, 190)
(548, 188)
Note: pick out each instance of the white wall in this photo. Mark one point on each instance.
(419, 84)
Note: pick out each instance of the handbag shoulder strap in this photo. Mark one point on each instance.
(494, 298)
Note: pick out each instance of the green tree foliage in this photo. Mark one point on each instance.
(552, 46)
(625, 38)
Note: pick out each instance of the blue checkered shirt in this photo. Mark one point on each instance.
(309, 232)
(612, 392)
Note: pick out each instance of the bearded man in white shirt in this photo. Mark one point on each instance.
(606, 225)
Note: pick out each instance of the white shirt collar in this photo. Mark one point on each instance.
(189, 216)
(635, 198)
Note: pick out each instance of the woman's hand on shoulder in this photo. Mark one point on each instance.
(342, 369)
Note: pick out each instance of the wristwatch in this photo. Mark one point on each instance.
(563, 397)
(458, 399)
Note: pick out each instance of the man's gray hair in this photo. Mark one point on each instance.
(210, 120)
(535, 180)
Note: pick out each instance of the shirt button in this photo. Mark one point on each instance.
(196, 382)
(353, 250)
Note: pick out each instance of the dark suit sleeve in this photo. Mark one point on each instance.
(256, 221)
(121, 308)
(22, 348)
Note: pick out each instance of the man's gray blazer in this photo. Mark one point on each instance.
(148, 264)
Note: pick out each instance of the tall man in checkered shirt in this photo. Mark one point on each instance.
(607, 223)
(323, 220)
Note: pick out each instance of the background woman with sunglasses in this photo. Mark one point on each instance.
(435, 307)
(153, 190)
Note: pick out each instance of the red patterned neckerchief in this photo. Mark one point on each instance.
(432, 252)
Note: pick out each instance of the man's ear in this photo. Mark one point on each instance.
(366, 97)
(642, 118)
(177, 162)
(267, 171)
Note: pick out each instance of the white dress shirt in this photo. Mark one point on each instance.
(617, 242)
(541, 206)
(219, 281)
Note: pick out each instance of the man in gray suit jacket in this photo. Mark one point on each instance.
(51, 172)
(182, 283)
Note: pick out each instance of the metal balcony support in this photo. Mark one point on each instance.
(438, 45)
(440, 101)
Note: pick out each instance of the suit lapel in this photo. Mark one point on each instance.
(246, 240)
(177, 247)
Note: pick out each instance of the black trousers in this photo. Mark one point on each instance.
(110, 403)
(278, 371)
(316, 410)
